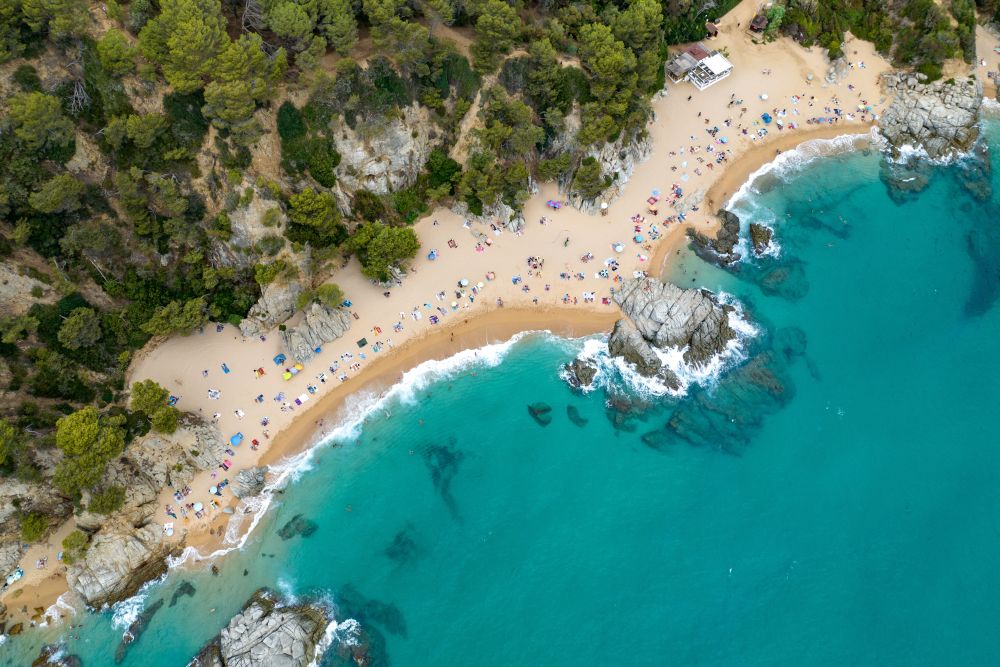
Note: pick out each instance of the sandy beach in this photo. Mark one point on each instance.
(705, 145)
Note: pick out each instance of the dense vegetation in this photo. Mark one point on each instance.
(138, 136)
(921, 34)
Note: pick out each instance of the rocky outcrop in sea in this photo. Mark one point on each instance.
(320, 326)
(720, 249)
(940, 117)
(267, 633)
(668, 316)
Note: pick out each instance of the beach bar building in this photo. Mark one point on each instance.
(699, 66)
(710, 70)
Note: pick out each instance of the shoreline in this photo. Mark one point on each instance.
(178, 363)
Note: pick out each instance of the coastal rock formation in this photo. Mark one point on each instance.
(940, 117)
(669, 316)
(276, 304)
(581, 372)
(16, 497)
(618, 160)
(720, 250)
(391, 159)
(319, 326)
(626, 342)
(120, 559)
(760, 237)
(249, 482)
(501, 214)
(266, 634)
(55, 655)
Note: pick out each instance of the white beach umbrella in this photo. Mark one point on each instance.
(763, 96)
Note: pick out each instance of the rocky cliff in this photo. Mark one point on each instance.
(618, 160)
(276, 304)
(319, 326)
(128, 549)
(940, 117)
(266, 634)
(390, 158)
(668, 316)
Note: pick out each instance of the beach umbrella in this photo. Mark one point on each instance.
(763, 96)
(214, 489)
(464, 282)
(639, 238)
(480, 285)
(454, 304)
(656, 193)
(618, 247)
(198, 507)
(604, 205)
(809, 77)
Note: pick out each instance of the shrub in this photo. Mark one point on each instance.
(26, 77)
(107, 501)
(74, 547)
(33, 526)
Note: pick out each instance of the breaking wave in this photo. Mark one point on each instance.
(792, 161)
(126, 612)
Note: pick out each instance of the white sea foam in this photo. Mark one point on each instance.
(52, 615)
(990, 106)
(615, 370)
(793, 160)
(126, 612)
(346, 633)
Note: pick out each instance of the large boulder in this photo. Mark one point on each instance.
(320, 326)
(249, 482)
(276, 304)
(626, 342)
(760, 237)
(388, 159)
(618, 160)
(120, 559)
(669, 316)
(266, 634)
(940, 117)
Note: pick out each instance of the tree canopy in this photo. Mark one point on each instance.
(380, 248)
(88, 441)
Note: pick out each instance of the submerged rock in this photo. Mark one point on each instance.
(186, 589)
(575, 416)
(136, 629)
(720, 250)
(443, 461)
(760, 237)
(786, 279)
(266, 633)
(403, 547)
(388, 616)
(541, 413)
(983, 243)
(660, 439)
(298, 525)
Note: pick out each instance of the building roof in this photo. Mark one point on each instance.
(698, 52)
(717, 64)
(712, 29)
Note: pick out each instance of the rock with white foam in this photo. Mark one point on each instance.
(940, 117)
(266, 634)
(668, 316)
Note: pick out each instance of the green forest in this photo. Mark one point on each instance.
(135, 135)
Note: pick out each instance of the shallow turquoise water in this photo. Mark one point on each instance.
(855, 519)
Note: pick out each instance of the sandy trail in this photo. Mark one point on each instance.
(681, 157)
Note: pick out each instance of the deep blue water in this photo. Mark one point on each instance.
(832, 499)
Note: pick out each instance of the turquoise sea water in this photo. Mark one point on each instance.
(848, 514)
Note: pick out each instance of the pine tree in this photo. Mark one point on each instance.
(60, 18)
(117, 56)
(60, 194)
(185, 40)
(244, 75)
(39, 121)
(336, 20)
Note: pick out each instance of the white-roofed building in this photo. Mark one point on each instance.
(710, 70)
